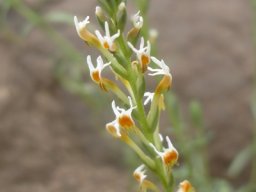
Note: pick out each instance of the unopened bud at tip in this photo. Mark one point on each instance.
(153, 33)
(121, 6)
(98, 11)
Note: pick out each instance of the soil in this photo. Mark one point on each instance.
(51, 141)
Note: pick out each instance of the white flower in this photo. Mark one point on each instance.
(169, 155)
(149, 97)
(143, 53)
(139, 174)
(95, 72)
(137, 20)
(114, 129)
(80, 26)
(164, 69)
(124, 117)
(107, 41)
(84, 33)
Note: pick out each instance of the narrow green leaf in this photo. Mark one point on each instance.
(59, 17)
(240, 161)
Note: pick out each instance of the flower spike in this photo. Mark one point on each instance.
(95, 72)
(139, 174)
(143, 54)
(107, 41)
(129, 57)
(124, 117)
(137, 20)
(169, 155)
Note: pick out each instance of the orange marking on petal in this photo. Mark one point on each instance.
(186, 186)
(145, 59)
(170, 157)
(106, 45)
(125, 121)
(144, 62)
(137, 177)
(96, 76)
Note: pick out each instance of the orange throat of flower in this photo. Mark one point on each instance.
(186, 186)
(125, 121)
(137, 177)
(170, 158)
(106, 45)
(144, 62)
(96, 76)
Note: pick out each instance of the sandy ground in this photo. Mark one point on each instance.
(49, 140)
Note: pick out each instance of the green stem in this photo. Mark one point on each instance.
(141, 136)
(123, 46)
(141, 112)
(146, 159)
(117, 91)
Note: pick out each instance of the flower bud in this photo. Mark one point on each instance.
(100, 16)
(121, 16)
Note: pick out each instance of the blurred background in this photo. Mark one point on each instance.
(52, 135)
